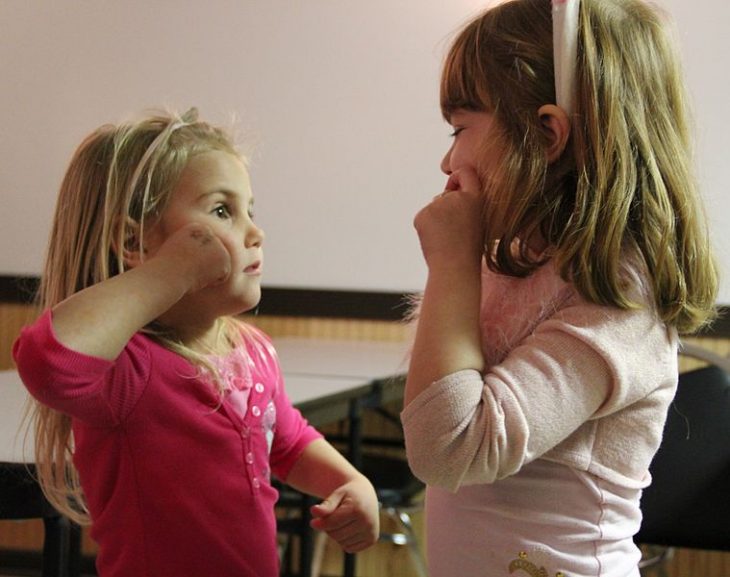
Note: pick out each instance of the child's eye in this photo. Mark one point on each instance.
(222, 211)
(456, 131)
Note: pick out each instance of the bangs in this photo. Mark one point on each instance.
(463, 85)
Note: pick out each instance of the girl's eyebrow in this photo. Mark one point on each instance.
(227, 193)
(223, 191)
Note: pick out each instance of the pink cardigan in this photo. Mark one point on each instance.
(176, 484)
(569, 381)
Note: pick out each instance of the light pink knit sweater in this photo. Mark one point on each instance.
(568, 381)
(538, 464)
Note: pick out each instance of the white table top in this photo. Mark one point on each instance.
(313, 370)
(308, 388)
(15, 447)
(342, 358)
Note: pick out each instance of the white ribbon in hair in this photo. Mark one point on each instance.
(565, 49)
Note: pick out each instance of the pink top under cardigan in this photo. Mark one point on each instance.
(177, 484)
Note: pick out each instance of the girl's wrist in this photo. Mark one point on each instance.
(174, 275)
(460, 263)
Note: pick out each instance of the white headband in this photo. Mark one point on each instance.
(565, 48)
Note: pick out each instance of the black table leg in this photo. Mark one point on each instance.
(355, 456)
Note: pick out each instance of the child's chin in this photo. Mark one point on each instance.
(249, 302)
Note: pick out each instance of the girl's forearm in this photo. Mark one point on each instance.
(447, 336)
(320, 470)
(100, 320)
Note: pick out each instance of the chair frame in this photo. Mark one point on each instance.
(21, 498)
(713, 359)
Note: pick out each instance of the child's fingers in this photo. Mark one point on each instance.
(201, 233)
(348, 516)
(333, 525)
(350, 536)
(464, 179)
(339, 523)
(212, 255)
(328, 505)
(453, 182)
(356, 545)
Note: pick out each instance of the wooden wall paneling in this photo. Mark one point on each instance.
(12, 318)
(327, 328)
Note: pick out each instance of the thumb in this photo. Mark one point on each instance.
(452, 183)
(328, 505)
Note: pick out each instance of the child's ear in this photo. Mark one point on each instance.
(131, 252)
(556, 125)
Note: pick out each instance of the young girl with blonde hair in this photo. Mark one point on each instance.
(160, 416)
(565, 256)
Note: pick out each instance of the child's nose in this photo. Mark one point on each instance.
(254, 236)
(446, 163)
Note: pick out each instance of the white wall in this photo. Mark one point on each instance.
(337, 98)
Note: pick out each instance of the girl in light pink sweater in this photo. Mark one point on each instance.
(565, 256)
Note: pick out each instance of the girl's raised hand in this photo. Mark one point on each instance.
(199, 255)
(450, 228)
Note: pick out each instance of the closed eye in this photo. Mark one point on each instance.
(456, 131)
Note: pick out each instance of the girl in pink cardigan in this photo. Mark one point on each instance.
(161, 416)
(566, 254)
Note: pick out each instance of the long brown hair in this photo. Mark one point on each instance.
(625, 184)
(119, 178)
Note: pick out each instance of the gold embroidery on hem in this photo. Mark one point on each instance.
(522, 564)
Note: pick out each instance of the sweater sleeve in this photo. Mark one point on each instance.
(94, 390)
(585, 362)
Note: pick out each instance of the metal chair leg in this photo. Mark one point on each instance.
(413, 548)
(407, 537)
(320, 544)
(657, 562)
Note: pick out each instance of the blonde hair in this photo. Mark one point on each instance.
(625, 183)
(119, 178)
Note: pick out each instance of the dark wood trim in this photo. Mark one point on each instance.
(18, 289)
(276, 301)
(28, 562)
(333, 304)
(297, 302)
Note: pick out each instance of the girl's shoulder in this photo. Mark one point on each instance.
(512, 307)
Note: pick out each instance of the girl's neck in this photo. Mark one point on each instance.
(202, 336)
(211, 342)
